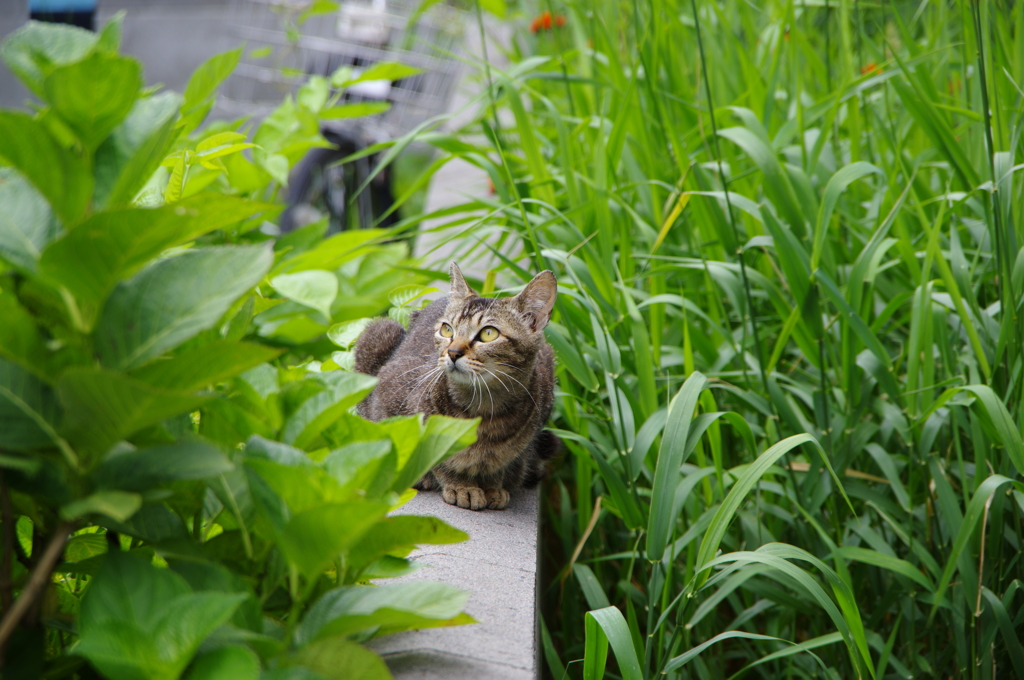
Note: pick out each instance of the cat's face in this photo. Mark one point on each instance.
(492, 339)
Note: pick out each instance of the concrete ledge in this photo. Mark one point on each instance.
(499, 566)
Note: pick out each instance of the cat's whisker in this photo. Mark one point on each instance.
(435, 374)
(514, 368)
(414, 368)
(488, 394)
(498, 379)
(423, 378)
(524, 388)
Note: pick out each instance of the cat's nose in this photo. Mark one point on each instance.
(455, 353)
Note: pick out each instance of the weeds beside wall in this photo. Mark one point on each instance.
(788, 239)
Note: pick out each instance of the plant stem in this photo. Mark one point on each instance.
(7, 519)
(36, 583)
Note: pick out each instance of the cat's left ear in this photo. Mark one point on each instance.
(537, 300)
(459, 286)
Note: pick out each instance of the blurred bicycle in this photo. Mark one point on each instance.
(288, 41)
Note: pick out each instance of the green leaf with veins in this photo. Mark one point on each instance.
(112, 245)
(92, 96)
(26, 224)
(60, 174)
(173, 300)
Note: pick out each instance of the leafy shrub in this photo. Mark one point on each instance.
(179, 498)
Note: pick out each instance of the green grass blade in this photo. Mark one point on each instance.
(670, 457)
(613, 624)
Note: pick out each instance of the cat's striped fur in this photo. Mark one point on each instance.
(446, 364)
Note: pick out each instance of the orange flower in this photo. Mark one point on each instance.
(544, 21)
(870, 67)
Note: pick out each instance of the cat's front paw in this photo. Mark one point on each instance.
(469, 497)
(497, 499)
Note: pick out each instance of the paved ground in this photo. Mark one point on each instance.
(499, 566)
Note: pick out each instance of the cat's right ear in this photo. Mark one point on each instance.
(536, 301)
(459, 286)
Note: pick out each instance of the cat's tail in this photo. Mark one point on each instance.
(546, 446)
(376, 345)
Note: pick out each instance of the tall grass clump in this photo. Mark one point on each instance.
(788, 237)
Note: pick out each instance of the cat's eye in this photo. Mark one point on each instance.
(488, 334)
(446, 331)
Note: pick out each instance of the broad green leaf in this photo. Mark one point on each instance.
(346, 333)
(332, 252)
(400, 533)
(173, 300)
(300, 487)
(316, 8)
(226, 422)
(344, 390)
(203, 576)
(94, 95)
(403, 606)
(226, 663)
(340, 659)
(405, 294)
(314, 93)
(26, 225)
(198, 98)
(385, 70)
(60, 174)
(37, 48)
(29, 411)
(314, 288)
(313, 538)
(102, 407)
(140, 621)
(113, 245)
(117, 505)
(613, 626)
(441, 437)
(142, 470)
(353, 110)
(205, 365)
(670, 458)
(368, 466)
(85, 546)
(127, 159)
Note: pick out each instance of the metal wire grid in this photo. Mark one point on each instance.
(429, 43)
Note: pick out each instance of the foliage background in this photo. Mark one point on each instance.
(788, 240)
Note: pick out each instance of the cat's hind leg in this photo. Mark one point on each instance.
(376, 345)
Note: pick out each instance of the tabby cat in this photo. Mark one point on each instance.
(467, 356)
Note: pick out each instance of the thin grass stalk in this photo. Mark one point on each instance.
(728, 204)
(1002, 254)
(538, 260)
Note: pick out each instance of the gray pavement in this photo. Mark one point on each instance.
(499, 566)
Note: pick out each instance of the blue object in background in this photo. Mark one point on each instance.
(80, 13)
(61, 6)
